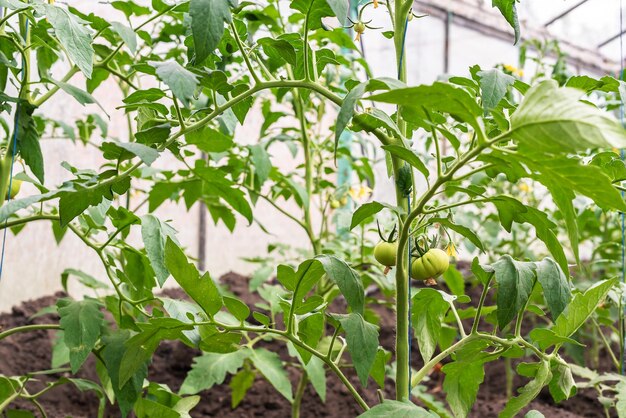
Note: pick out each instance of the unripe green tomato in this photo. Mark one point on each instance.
(359, 27)
(15, 189)
(431, 265)
(386, 253)
(335, 204)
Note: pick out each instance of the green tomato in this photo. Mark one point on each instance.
(431, 265)
(359, 27)
(335, 204)
(385, 253)
(15, 188)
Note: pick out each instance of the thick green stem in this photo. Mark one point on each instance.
(508, 372)
(308, 169)
(6, 164)
(297, 400)
(403, 343)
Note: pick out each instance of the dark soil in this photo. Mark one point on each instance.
(29, 352)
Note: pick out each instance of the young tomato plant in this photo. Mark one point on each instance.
(190, 72)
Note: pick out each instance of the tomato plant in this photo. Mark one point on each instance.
(191, 72)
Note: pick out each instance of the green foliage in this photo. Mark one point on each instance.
(459, 149)
(81, 322)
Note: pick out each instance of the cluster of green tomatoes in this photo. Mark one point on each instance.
(428, 263)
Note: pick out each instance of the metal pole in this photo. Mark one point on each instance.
(565, 12)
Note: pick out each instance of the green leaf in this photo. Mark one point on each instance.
(556, 288)
(340, 8)
(148, 408)
(201, 289)
(429, 310)
(545, 338)
(236, 307)
(317, 376)
(80, 95)
(379, 368)
(73, 35)
(365, 211)
(261, 161)
(148, 95)
(140, 347)
(74, 203)
(127, 34)
(239, 384)
(216, 184)
(408, 155)
(310, 331)
(461, 383)
(181, 81)
(511, 210)
(126, 150)
(279, 51)
(211, 369)
(581, 307)
(551, 119)
(315, 10)
(28, 146)
(81, 323)
(493, 86)
(83, 278)
(127, 394)
(397, 409)
(515, 283)
(462, 230)
(347, 280)
(300, 282)
(509, 11)
(9, 208)
(348, 108)
(564, 175)
(13, 4)
(528, 392)
(562, 385)
(455, 281)
(271, 367)
(9, 390)
(155, 234)
(362, 339)
(440, 97)
(207, 24)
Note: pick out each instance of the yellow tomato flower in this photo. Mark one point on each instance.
(359, 192)
(375, 4)
(451, 250)
(509, 68)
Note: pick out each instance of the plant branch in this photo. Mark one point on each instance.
(27, 328)
(481, 303)
(245, 55)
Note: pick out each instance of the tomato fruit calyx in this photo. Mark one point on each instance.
(431, 265)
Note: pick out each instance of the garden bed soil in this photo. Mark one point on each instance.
(28, 352)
